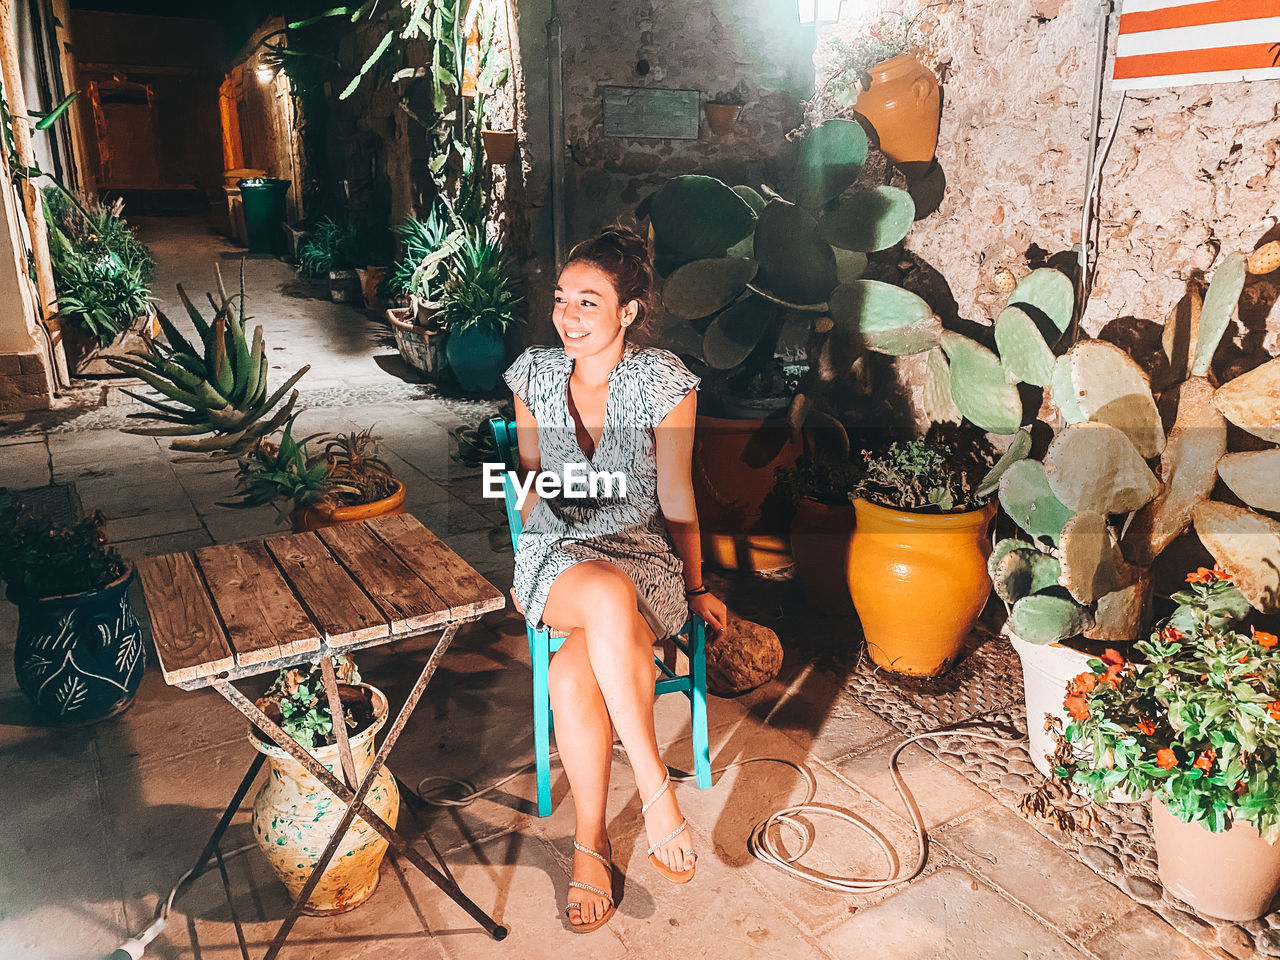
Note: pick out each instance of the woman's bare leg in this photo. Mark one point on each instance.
(584, 738)
(599, 598)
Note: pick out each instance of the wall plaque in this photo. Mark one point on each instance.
(651, 112)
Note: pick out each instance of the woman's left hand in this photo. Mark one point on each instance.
(711, 609)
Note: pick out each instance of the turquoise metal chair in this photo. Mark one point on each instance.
(541, 645)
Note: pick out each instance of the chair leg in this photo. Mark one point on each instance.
(540, 641)
(698, 703)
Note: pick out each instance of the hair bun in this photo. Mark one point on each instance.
(621, 252)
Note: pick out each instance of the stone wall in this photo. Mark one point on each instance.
(1189, 178)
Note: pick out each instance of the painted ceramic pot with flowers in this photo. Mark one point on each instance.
(1197, 723)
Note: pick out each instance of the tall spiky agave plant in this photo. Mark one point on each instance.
(219, 388)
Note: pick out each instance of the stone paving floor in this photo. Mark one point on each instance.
(99, 822)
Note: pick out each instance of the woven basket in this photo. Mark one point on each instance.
(421, 347)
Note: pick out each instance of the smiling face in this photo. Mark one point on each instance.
(587, 314)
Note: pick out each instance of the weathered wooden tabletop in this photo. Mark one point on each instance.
(239, 609)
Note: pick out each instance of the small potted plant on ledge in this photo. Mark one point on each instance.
(294, 816)
(79, 652)
(722, 110)
(477, 306)
(1197, 724)
(917, 561)
(331, 252)
(344, 483)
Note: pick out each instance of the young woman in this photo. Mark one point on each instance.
(612, 571)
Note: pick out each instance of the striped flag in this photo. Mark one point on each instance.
(1169, 43)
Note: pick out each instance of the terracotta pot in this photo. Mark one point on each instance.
(1233, 875)
(294, 816)
(743, 527)
(903, 103)
(80, 657)
(721, 117)
(820, 535)
(499, 145)
(370, 279)
(918, 581)
(422, 347)
(323, 515)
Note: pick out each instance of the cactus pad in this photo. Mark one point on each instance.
(1247, 546)
(795, 265)
(870, 220)
(1005, 546)
(695, 216)
(1178, 337)
(1027, 499)
(1093, 466)
(979, 386)
(1023, 351)
(1017, 450)
(1265, 259)
(1111, 388)
(1254, 477)
(850, 265)
(701, 287)
(936, 394)
(1013, 574)
(1091, 562)
(1219, 304)
(1118, 616)
(831, 157)
(1252, 401)
(1188, 468)
(1064, 393)
(751, 196)
(1046, 618)
(885, 316)
(1048, 292)
(735, 332)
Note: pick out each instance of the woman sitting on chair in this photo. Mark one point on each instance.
(620, 568)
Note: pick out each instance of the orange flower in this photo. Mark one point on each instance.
(1244, 659)
(1205, 761)
(1172, 634)
(1146, 726)
(1265, 640)
(1166, 759)
(1084, 682)
(1115, 665)
(1241, 786)
(1273, 708)
(1204, 575)
(1112, 657)
(1078, 707)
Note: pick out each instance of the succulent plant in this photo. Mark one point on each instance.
(217, 388)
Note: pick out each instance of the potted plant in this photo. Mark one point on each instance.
(418, 276)
(499, 145)
(818, 486)
(920, 543)
(740, 269)
(722, 110)
(79, 653)
(343, 483)
(879, 75)
(477, 305)
(1196, 723)
(331, 251)
(294, 816)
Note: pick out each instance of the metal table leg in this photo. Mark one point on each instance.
(355, 800)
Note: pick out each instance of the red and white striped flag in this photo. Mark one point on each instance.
(1169, 43)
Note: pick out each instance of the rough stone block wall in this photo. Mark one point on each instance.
(1189, 178)
(26, 383)
(705, 46)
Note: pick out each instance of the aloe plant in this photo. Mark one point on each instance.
(217, 386)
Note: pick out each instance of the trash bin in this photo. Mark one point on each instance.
(263, 199)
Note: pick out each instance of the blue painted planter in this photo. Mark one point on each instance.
(477, 356)
(80, 657)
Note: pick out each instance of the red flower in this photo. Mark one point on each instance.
(1204, 575)
(1265, 640)
(1172, 634)
(1146, 726)
(1166, 759)
(1205, 761)
(1241, 786)
(1078, 707)
(1273, 708)
(1084, 682)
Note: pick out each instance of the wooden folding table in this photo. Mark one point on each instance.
(236, 610)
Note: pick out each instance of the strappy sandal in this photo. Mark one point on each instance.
(675, 876)
(600, 921)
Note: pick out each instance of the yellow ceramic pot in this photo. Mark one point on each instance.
(903, 103)
(294, 817)
(918, 582)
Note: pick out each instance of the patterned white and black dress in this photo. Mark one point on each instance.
(629, 531)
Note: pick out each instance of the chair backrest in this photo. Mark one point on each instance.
(504, 437)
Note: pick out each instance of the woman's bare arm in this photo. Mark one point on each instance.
(530, 458)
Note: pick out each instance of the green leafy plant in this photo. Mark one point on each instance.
(103, 294)
(218, 387)
(41, 559)
(1197, 723)
(479, 291)
(296, 700)
(814, 477)
(420, 239)
(926, 476)
(331, 247)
